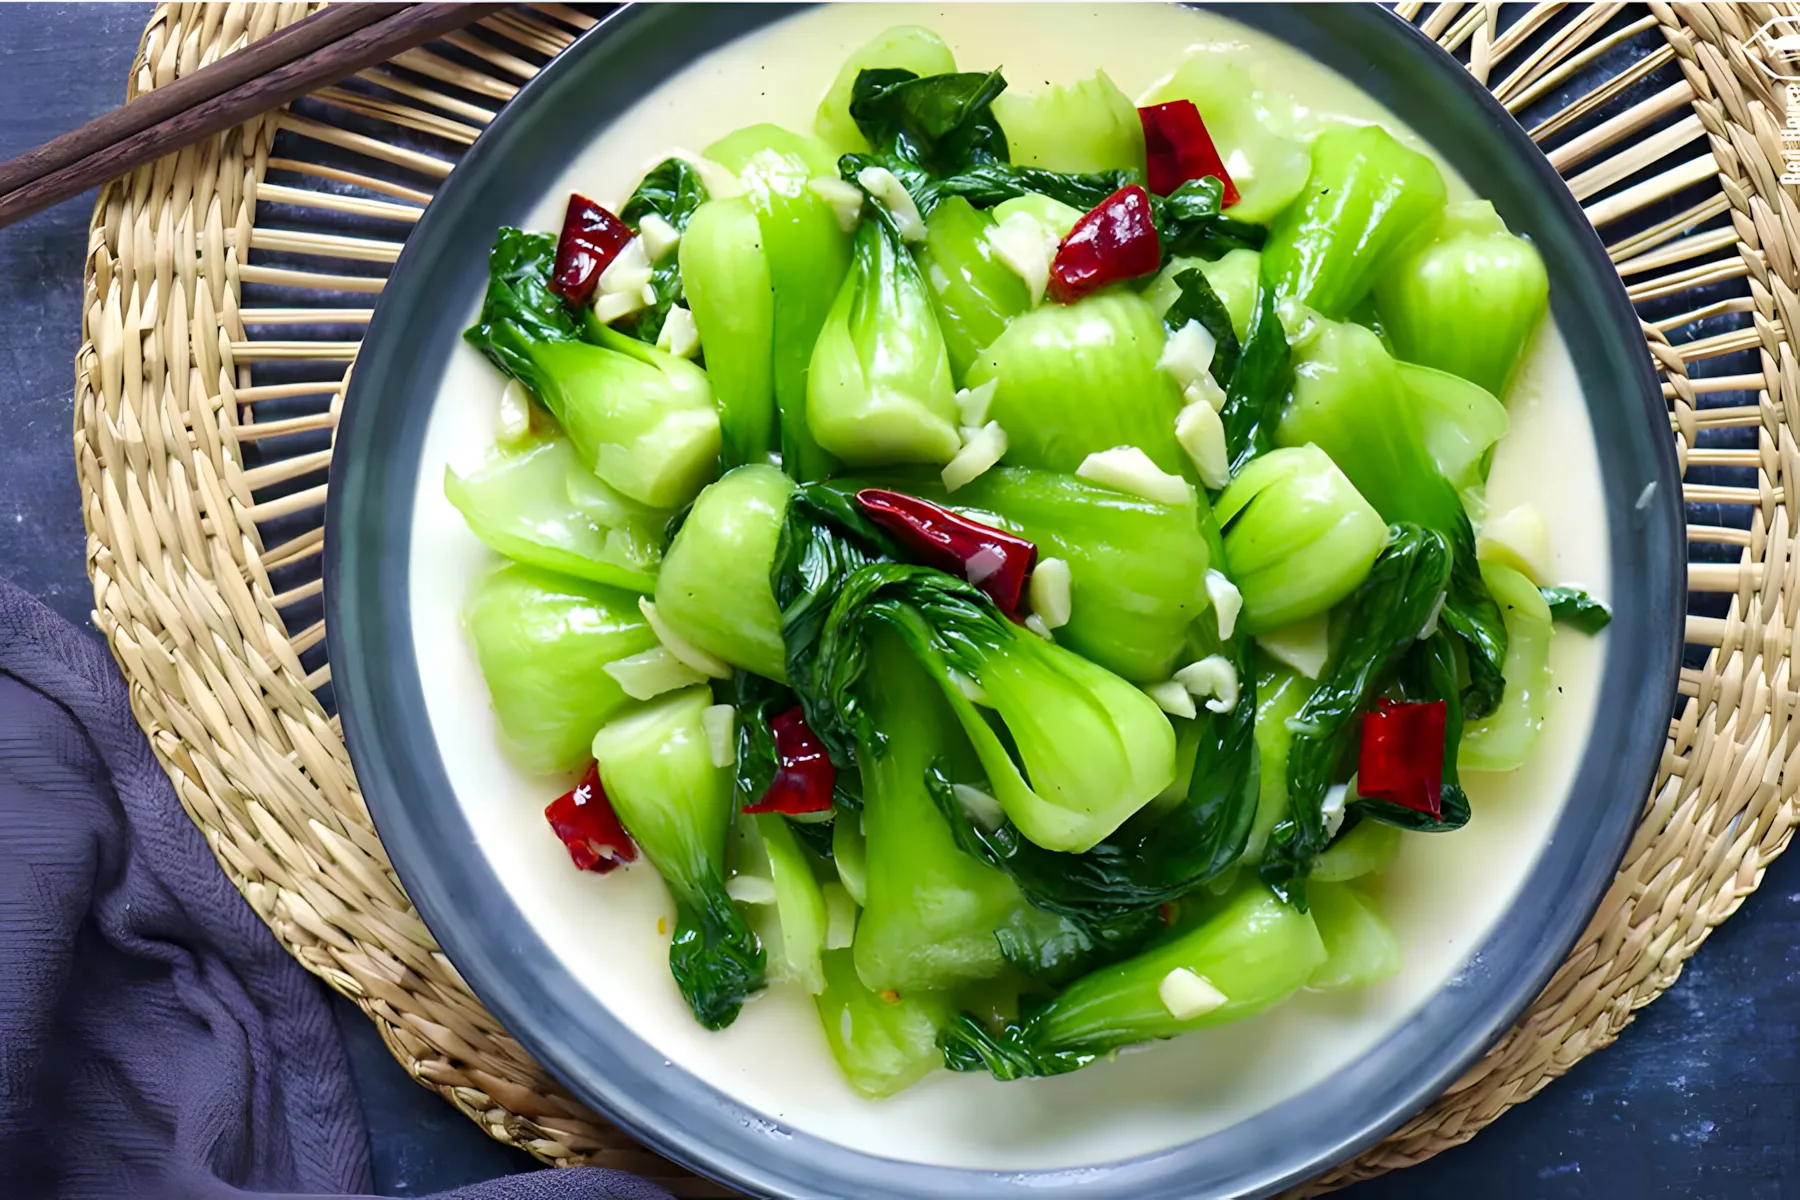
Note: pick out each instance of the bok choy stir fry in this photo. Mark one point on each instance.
(1014, 577)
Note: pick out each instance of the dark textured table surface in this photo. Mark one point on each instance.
(1700, 1097)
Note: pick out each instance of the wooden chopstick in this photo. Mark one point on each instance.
(264, 75)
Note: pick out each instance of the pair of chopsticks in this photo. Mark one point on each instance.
(324, 48)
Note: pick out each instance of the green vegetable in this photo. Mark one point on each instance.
(912, 48)
(1091, 748)
(519, 295)
(1279, 695)
(932, 911)
(1383, 622)
(1503, 740)
(1258, 387)
(1254, 950)
(542, 640)
(883, 1043)
(1360, 949)
(799, 906)
(657, 769)
(540, 505)
(1195, 300)
(672, 190)
(1137, 568)
(850, 854)
(1367, 202)
(1461, 423)
(1299, 537)
(1365, 848)
(1079, 378)
(879, 389)
(973, 293)
(1081, 127)
(1350, 401)
(1269, 170)
(936, 124)
(1577, 608)
(1469, 301)
(1234, 279)
(714, 586)
(726, 275)
(807, 254)
(1056, 217)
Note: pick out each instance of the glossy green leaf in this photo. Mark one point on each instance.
(673, 191)
(1234, 279)
(911, 48)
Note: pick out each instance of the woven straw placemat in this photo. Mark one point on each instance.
(227, 286)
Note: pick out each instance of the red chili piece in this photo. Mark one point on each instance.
(585, 821)
(1402, 759)
(1177, 148)
(805, 780)
(591, 239)
(993, 560)
(1116, 241)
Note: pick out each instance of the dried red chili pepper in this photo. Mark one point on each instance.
(1114, 242)
(805, 779)
(591, 239)
(992, 559)
(1178, 148)
(1402, 757)
(585, 821)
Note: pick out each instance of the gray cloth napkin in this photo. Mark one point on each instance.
(155, 1040)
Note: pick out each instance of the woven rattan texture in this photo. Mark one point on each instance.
(227, 287)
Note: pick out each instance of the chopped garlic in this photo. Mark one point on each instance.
(1036, 625)
(1213, 676)
(751, 889)
(1332, 808)
(982, 808)
(719, 180)
(845, 198)
(1517, 538)
(659, 236)
(974, 402)
(1187, 995)
(1227, 601)
(1187, 355)
(1202, 434)
(981, 449)
(1128, 469)
(1024, 245)
(840, 916)
(609, 307)
(628, 272)
(719, 721)
(1173, 699)
(1205, 390)
(648, 675)
(1305, 645)
(512, 424)
(1050, 592)
(696, 658)
(649, 295)
(886, 187)
(679, 336)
